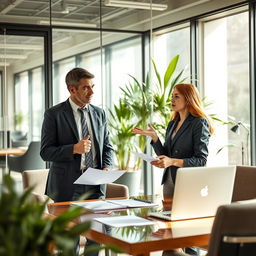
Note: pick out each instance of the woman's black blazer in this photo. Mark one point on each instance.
(190, 144)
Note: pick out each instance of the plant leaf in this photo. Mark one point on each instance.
(169, 71)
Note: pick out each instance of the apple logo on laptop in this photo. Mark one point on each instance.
(204, 191)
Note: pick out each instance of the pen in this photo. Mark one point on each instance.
(141, 200)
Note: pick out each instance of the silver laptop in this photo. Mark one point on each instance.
(199, 191)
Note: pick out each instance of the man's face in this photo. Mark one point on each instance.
(83, 93)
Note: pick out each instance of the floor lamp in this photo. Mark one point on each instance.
(235, 129)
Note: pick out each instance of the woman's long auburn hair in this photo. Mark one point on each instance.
(194, 103)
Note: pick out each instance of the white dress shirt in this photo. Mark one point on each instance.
(77, 116)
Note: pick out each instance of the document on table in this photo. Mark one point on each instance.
(145, 157)
(124, 221)
(109, 205)
(95, 177)
(98, 206)
(133, 203)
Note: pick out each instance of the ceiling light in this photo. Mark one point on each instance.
(64, 7)
(13, 56)
(66, 23)
(22, 46)
(136, 5)
(4, 64)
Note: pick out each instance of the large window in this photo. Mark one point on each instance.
(226, 86)
(125, 59)
(21, 118)
(37, 102)
(61, 68)
(92, 62)
(165, 47)
(29, 103)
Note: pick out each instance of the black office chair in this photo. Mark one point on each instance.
(244, 186)
(233, 231)
(30, 160)
(19, 139)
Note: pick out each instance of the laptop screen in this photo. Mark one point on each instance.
(199, 191)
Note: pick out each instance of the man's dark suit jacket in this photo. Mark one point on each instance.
(190, 144)
(59, 134)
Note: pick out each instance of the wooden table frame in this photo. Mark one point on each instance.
(12, 151)
(145, 247)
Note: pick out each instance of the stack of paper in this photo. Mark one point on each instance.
(124, 221)
(108, 205)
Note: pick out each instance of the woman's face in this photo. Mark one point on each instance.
(178, 101)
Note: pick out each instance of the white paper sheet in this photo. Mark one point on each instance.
(95, 177)
(109, 205)
(124, 221)
(133, 203)
(145, 157)
(98, 206)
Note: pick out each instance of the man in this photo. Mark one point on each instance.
(74, 138)
(66, 145)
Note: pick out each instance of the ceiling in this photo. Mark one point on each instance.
(80, 13)
(67, 11)
(14, 50)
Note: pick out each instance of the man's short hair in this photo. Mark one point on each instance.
(74, 75)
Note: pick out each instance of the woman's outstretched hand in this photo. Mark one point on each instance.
(147, 132)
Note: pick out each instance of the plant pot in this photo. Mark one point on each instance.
(132, 181)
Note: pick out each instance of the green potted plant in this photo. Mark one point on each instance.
(19, 119)
(140, 103)
(26, 231)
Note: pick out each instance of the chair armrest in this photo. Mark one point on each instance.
(239, 239)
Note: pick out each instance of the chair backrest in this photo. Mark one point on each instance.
(36, 179)
(245, 183)
(236, 219)
(30, 160)
(117, 190)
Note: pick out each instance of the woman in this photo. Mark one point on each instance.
(186, 139)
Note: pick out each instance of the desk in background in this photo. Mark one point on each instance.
(9, 151)
(141, 240)
(12, 151)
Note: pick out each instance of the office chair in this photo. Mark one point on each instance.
(30, 160)
(18, 139)
(244, 186)
(233, 231)
(36, 179)
(117, 190)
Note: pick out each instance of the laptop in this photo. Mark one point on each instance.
(199, 191)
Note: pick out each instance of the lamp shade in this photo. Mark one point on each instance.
(235, 128)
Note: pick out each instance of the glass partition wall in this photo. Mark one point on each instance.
(23, 86)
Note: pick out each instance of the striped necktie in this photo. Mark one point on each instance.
(85, 132)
